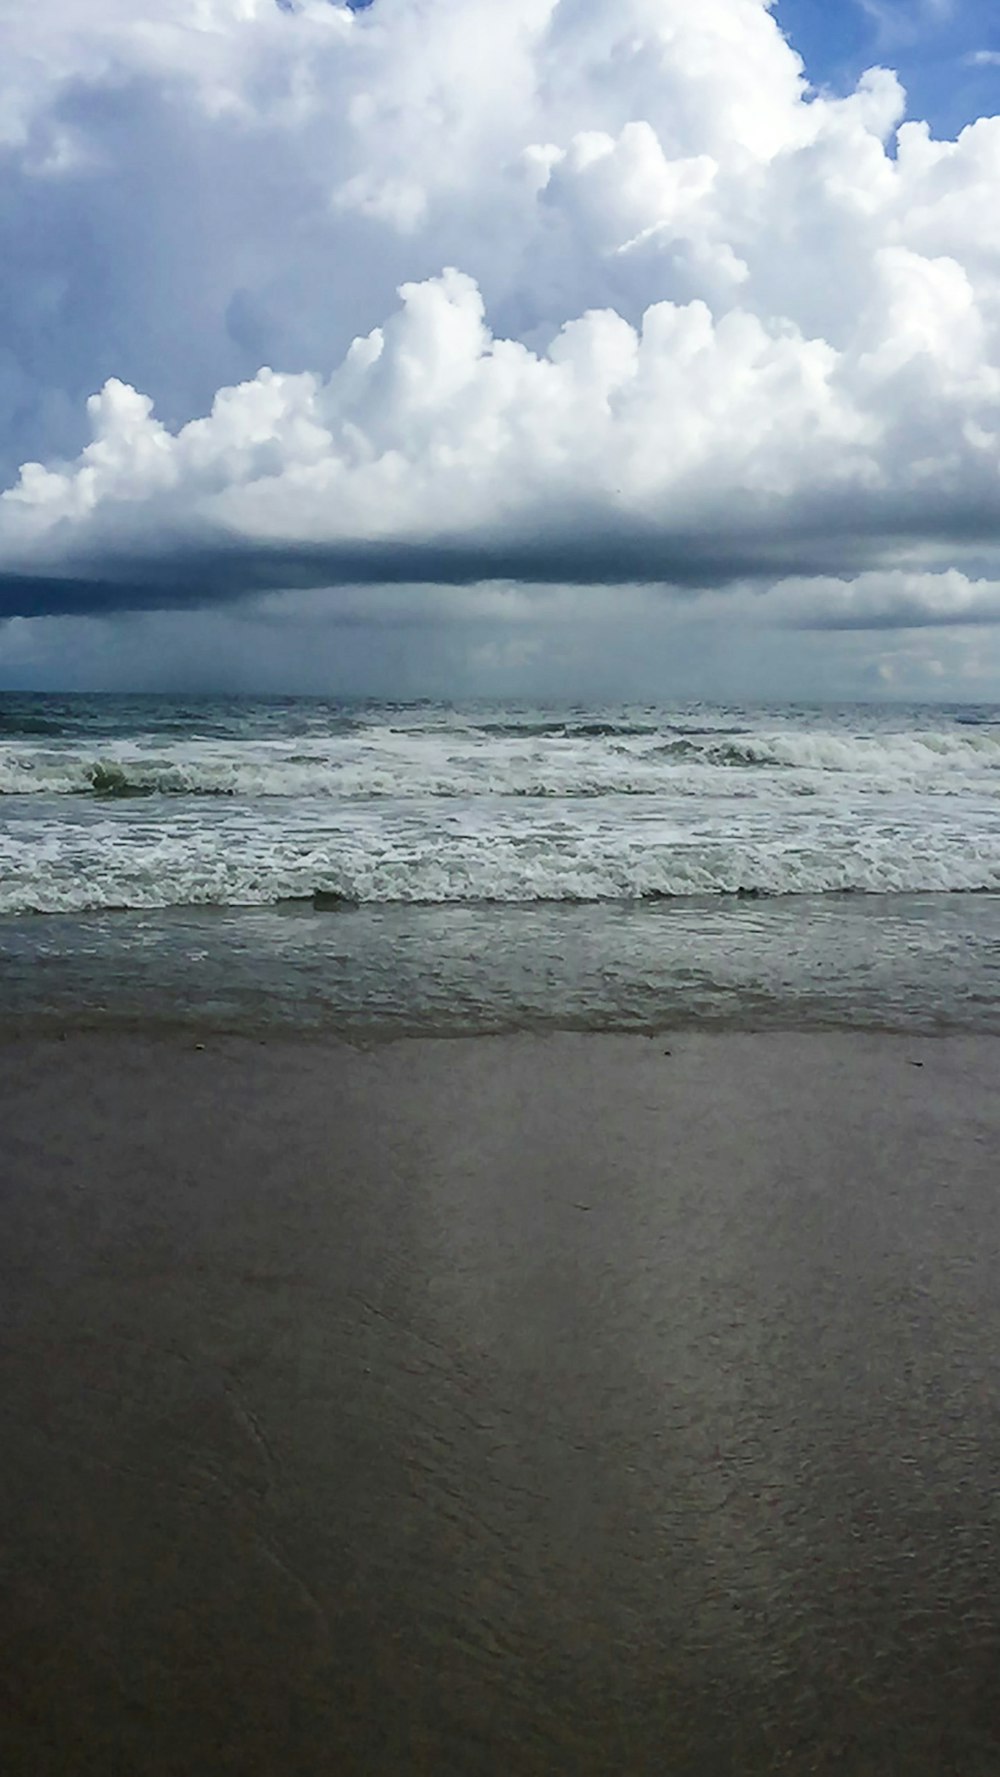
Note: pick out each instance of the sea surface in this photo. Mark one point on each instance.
(441, 867)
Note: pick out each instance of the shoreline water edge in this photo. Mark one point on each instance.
(611, 1390)
(303, 863)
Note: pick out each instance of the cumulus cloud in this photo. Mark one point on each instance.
(553, 292)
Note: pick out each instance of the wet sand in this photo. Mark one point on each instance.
(499, 1406)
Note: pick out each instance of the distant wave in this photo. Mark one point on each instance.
(428, 765)
(373, 780)
(875, 755)
(565, 730)
(24, 725)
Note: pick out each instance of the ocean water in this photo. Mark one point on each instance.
(429, 866)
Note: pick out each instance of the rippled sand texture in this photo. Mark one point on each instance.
(518, 1405)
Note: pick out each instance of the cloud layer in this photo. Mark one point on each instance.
(554, 292)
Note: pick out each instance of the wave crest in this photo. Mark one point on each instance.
(213, 868)
(599, 760)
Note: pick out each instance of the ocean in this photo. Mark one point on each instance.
(372, 867)
(545, 1403)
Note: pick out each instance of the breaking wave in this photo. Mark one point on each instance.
(214, 869)
(598, 760)
(891, 756)
(229, 805)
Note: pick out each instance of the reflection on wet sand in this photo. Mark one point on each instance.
(516, 1405)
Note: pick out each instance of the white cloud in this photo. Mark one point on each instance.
(702, 326)
(895, 598)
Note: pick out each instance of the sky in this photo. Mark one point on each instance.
(439, 347)
(940, 49)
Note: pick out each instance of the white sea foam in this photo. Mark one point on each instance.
(418, 765)
(433, 805)
(61, 872)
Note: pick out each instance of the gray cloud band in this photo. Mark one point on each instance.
(843, 544)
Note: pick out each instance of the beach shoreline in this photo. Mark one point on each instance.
(505, 1404)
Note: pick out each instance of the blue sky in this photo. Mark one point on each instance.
(930, 43)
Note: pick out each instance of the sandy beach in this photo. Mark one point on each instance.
(564, 1404)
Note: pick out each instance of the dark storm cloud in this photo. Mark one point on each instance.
(840, 539)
